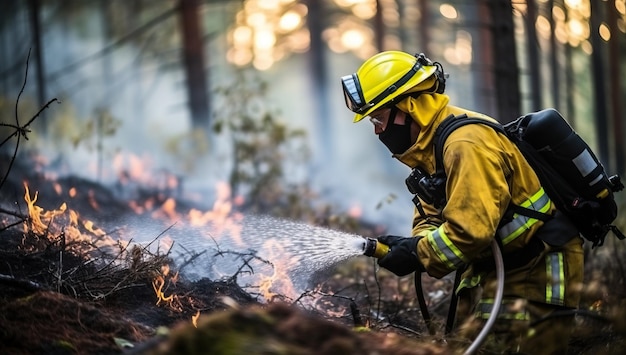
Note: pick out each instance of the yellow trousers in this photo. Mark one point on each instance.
(534, 294)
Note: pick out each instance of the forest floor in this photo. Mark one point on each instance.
(62, 295)
(67, 287)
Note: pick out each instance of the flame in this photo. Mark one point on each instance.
(222, 208)
(171, 182)
(165, 271)
(130, 168)
(93, 229)
(279, 283)
(166, 242)
(221, 218)
(157, 285)
(194, 319)
(355, 211)
(40, 219)
(596, 306)
(167, 211)
(134, 205)
(65, 223)
(91, 196)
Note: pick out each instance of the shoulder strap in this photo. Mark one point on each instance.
(448, 126)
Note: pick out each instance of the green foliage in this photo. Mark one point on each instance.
(66, 345)
(267, 154)
(5, 119)
(25, 111)
(262, 145)
(123, 343)
(79, 132)
(187, 148)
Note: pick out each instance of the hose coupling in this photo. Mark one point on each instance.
(374, 248)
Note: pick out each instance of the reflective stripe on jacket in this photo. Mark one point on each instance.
(485, 173)
(454, 258)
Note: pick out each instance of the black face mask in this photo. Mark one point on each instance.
(397, 138)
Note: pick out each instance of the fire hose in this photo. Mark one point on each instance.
(376, 249)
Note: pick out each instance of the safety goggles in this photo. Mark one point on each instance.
(383, 116)
(353, 93)
(380, 119)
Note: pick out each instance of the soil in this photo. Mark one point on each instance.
(75, 318)
(60, 298)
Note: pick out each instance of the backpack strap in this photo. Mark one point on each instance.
(450, 124)
(528, 212)
(446, 127)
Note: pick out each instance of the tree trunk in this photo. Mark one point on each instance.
(318, 65)
(402, 35)
(379, 27)
(424, 27)
(569, 80)
(193, 58)
(614, 84)
(39, 65)
(598, 87)
(533, 56)
(107, 59)
(483, 61)
(506, 72)
(554, 61)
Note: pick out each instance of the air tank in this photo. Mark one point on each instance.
(549, 133)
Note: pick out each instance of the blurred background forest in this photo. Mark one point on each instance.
(150, 113)
(204, 89)
(187, 86)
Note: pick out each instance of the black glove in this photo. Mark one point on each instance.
(402, 258)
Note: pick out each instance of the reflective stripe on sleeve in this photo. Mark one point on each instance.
(539, 202)
(555, 286)
(445, 249)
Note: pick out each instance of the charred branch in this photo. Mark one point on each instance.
(21, 283)
(20, 130)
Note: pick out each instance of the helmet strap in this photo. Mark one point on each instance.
(438, 87)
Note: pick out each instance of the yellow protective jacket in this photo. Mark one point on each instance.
(485, 173)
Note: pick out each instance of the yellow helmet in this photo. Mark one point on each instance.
(383, 78)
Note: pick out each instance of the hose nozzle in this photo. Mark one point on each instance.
(374, 248)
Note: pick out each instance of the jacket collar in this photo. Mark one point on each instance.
(421, 152)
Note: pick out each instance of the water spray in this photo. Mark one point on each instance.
(374, 248)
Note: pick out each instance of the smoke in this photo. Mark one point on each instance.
(144, 98)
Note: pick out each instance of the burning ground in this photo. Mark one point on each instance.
(88, 268)
(79, 275)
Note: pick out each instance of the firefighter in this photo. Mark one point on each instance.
(402, 95)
